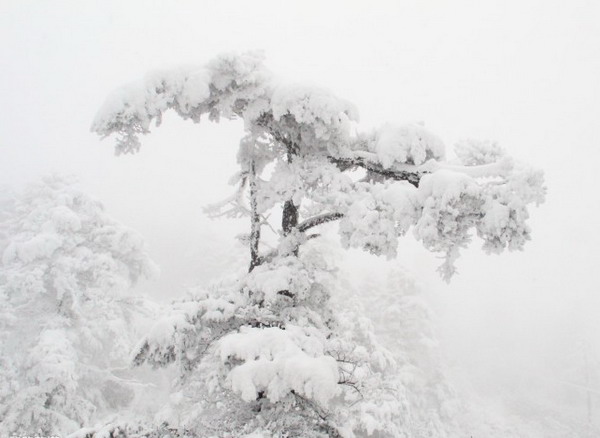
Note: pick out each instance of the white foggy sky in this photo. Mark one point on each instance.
(524, 73)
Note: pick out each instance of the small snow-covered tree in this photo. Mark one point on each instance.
(269, 352)
(65, 322)
(404, 323)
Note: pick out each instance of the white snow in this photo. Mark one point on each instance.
(278, 361)
(313, 106)
(409, 143)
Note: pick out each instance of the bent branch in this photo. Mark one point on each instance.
(318, 220)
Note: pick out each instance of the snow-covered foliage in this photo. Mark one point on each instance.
(65, 320)
(405, 325)
(403, 144)
(282, 362)
(280, 351)
(309, 136)
(472, 152)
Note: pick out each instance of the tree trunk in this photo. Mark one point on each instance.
(254, 221)
(289, 221)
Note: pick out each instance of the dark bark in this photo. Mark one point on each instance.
(289, 221)
(286, 293)
(254, 222)
(397, 175)
(318, 220)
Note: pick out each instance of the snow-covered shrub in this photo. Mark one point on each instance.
(66, 320)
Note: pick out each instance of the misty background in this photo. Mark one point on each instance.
(523, 73)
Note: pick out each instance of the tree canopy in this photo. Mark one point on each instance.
(302, 148)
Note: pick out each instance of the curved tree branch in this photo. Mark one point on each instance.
(318, 220)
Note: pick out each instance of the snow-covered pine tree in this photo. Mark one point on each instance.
(270, 353)
(65, 322)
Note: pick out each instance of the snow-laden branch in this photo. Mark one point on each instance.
(221, 88)
(499, 168)
(397, 175)
(413, 174)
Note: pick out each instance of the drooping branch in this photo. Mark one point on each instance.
(397, 175)
(318, 220)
